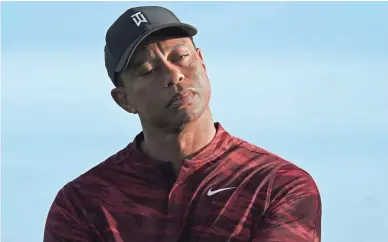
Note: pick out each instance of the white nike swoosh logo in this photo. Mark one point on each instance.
(211, 193)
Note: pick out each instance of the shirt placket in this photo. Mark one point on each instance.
(179, 202)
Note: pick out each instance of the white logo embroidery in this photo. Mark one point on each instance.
(211, 193)
(138, 18)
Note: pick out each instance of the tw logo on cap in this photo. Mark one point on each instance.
(139, 18)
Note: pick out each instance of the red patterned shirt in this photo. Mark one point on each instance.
(232, 191)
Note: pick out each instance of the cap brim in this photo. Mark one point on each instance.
(124, 61)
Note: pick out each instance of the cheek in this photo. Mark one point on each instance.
(136, 96)
(199, 74)
(146, 98)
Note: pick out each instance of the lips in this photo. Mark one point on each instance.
(180, 97)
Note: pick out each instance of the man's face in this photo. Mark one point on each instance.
(166, 83)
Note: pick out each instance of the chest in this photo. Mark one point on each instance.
(209, 208)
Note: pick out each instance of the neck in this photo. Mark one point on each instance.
(165, 145)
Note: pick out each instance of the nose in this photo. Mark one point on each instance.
(174, 76)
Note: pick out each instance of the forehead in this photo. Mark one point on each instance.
(164, 44)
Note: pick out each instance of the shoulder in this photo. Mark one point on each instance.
(73, 204)
(279, 172)
(252, 155)
(292, 181)
(284, 183)
(98, 176)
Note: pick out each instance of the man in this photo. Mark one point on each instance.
(184, 177)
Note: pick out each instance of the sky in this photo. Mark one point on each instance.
(306, 81)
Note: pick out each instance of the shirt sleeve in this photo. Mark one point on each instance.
(65, 220)
(294, 210)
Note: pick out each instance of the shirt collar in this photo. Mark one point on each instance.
(221, 142)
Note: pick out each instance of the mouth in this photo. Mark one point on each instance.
(180, 98)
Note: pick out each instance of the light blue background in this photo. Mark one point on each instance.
(307, 81)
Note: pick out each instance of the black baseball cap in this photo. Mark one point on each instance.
(131, 28)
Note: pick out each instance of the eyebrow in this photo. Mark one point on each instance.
(177, 45)
(134, 64)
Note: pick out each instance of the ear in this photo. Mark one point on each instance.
(120, 96)
(199, 52)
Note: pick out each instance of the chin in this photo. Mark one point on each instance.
(180, 119)
(176, 119)
(184, 117)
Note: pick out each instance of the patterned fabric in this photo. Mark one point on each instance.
(231, 191)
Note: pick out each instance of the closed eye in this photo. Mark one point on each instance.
(149, 72)
(181, 57)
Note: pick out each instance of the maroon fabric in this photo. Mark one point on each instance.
(130, 197)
